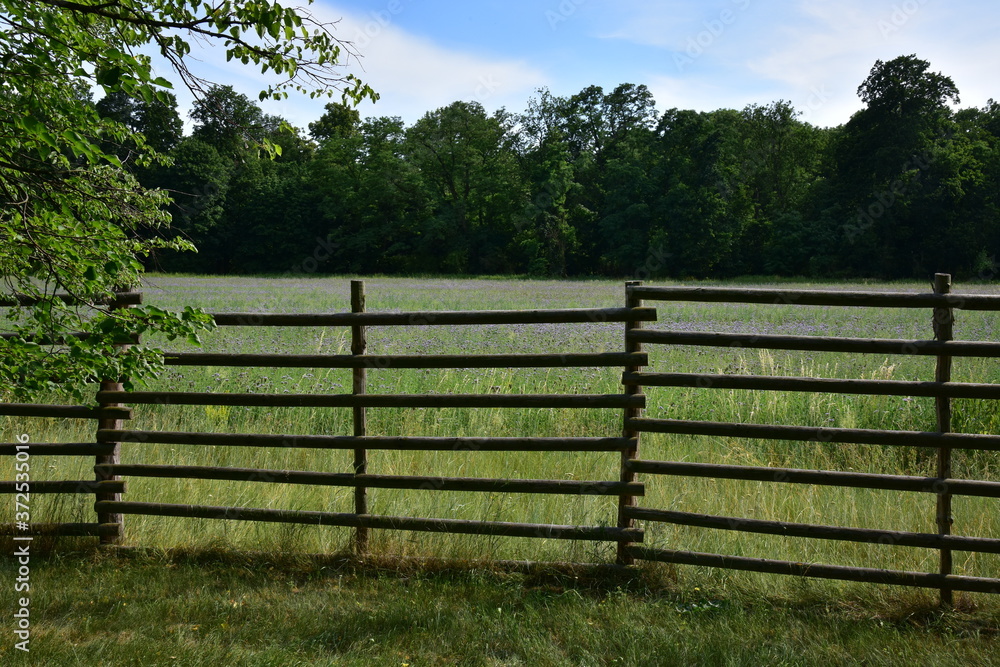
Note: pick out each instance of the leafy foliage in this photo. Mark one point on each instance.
(74, 216)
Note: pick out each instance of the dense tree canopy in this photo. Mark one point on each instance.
(602, 183)
(74, 213)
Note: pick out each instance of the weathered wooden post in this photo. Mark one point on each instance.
(628, 455)
(359, 346)
(113, 423)
(944, 319)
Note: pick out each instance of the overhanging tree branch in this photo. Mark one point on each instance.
(74, 220)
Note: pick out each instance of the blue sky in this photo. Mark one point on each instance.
(424, 54)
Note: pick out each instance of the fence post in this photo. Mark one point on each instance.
(628, 455)
(944, 319)
(359, 346)
(115, 456)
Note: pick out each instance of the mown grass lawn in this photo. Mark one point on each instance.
(231, 608)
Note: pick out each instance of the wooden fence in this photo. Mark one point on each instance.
(111, 434)
(104, 488)
(943, 304)
(108, 485)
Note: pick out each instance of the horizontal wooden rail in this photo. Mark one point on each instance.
(854, 480)
(401, 443)
(821, 385)
(814, 531)
(119, 299)
(819, 434)
(558, 316)
(861, 574)
(63, 529)
(63, 411)
(375, 400)
(569, 487)
(376, 362)
(819, 343)
(57, 449)
(66, 486)
(817, 297)
(461, 526)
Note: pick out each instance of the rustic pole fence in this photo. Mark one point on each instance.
(626, 502)
(941, 438)
(944, 319)
(106, 414)
(625, 489)
(360, 441)
(359, 346)
(114, 456)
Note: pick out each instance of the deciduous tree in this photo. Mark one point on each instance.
(73, 219)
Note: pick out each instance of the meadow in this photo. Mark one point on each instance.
(796, 503)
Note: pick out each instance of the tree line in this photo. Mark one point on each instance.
(597, 183)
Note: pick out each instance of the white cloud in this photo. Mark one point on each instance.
(414, 75)
(814, 54)
(677, 25)
(698, 94)
(663, 25)
(833, 46)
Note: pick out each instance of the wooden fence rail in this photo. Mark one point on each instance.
(943, 303)
(376, 400)
(821, 343)
(817, 297)
(425, 361)
(568, 487)
(399, 443)
(856, 480)
(815, 385)
(438, 318)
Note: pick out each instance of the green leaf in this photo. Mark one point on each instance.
(109, 77)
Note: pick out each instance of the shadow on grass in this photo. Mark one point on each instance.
(208, 606)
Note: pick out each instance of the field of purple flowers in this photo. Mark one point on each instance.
(860, 508)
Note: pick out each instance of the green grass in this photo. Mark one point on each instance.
(221, 607)
(748, 599)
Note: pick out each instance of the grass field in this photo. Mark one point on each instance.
(740, 593)
(224, 608)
